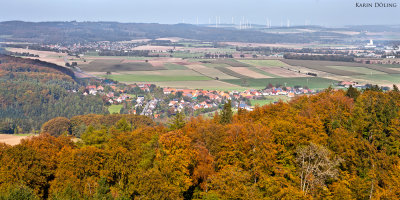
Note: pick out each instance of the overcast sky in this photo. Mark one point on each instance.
(316, 12)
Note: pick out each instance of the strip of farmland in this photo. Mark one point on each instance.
(232, 73)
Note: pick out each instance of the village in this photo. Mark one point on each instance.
(153, 101)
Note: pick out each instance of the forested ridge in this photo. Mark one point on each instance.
(32, 92)
(333, 145)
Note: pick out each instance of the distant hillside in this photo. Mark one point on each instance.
(75, 32)
(32, 92)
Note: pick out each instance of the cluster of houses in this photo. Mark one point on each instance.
(189, 98)
(214, 98)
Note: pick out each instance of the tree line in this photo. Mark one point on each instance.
(333, 145)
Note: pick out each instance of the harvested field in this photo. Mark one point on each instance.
(262, 63)
(311, 82)
(113, 65)
(209, 71)
(248, 72)
(282, 72)
(225, 70)
(48, 56)
(11, 139)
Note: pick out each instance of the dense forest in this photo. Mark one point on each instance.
(32, 92)
(333, 145)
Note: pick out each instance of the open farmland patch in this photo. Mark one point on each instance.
(362, 70)
(382, 69)
(281, 72)
(380, 79)
(264, 72)
(310, 82)
(389, 65)
(268, 63)
(248, 72)
(210, 72)
(186, 72)
(323, 66)
(226, 70)
(230, 62)
(205, 85)
(154, 78)
(104, 65)
(173, 66)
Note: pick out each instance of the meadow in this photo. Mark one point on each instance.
(362, 70)
(269, 100)
(115, 109)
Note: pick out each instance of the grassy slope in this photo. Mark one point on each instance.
(114, 109)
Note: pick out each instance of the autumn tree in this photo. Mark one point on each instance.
(315, 166)
(57, 126)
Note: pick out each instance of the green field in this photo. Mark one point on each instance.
(114, 109)
(362, 70)
(266, 63)
(382, 78)
(389, 65)
(172, 66)
(154, 78)
(269, 100)
(312, 83)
